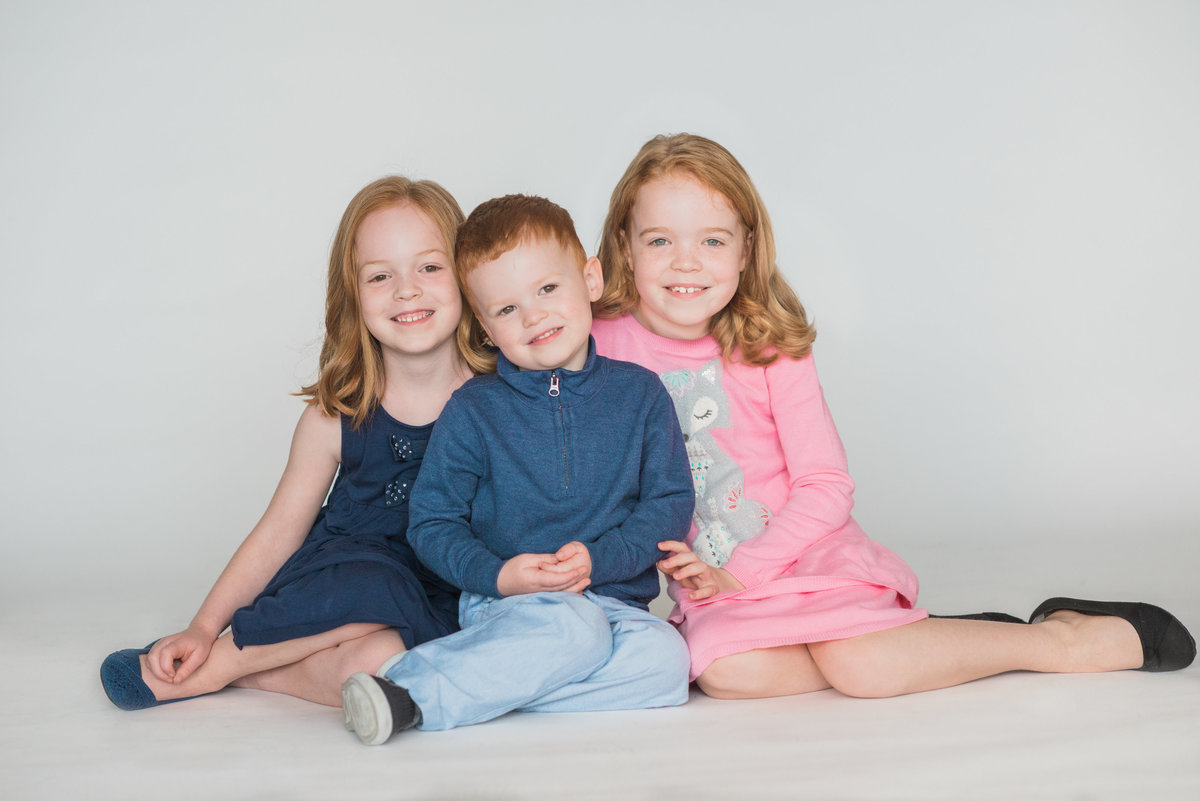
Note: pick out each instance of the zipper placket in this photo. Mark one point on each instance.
(562, 427)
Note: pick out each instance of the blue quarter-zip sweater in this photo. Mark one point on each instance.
(527, 461)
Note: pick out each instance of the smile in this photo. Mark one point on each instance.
(685, 290)
(413, 317)
(545, 336)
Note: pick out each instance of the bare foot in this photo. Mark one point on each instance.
(1094, 644)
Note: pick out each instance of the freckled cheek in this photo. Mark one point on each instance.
(644, 267)
(639, 259)
(643, 282)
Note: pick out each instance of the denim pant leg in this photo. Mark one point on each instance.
(648, 667)
(510, 652)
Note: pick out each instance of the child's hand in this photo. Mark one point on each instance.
(189, 648)
(693, 574)
(538, 572)
(570, 557)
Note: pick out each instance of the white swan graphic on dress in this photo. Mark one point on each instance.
(724, 516)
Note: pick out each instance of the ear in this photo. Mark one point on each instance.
(593, 278)
(479, 319)
(485, 327)
(468, 299)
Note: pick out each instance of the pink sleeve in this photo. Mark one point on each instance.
(821, 492)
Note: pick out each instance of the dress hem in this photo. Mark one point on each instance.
(701, 660)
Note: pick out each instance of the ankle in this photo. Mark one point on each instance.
(1063, 643)
(1093, 644)
(190, 687)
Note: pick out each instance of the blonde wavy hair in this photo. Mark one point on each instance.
(350, 377)
(764, 318)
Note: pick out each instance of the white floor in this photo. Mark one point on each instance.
(1118, 736)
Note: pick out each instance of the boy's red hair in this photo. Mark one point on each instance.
(497, 226)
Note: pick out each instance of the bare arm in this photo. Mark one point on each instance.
(312, 463)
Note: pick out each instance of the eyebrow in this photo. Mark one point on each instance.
(420, 255)
(659, 229)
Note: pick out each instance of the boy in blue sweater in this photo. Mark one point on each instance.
(543, 495)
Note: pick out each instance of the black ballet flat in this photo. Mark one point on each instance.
(1166, 643)
(995, 617)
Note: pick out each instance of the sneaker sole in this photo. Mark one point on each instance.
(365, 709)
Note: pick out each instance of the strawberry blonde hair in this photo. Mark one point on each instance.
(764, 318)
(350, 378)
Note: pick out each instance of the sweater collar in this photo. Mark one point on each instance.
(574, 386)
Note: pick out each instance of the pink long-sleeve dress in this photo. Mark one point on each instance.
(773, 500)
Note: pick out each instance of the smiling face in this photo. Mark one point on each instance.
(534, 301)
(406, 287)
(688, 248)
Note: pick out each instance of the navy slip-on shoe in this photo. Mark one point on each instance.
(121, 675)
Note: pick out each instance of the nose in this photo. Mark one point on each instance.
(406, 288)
(533, 316)
(687, 259)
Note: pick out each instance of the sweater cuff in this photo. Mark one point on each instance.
(754, 572)
(598, 558)
(738, 571)
(484, 575)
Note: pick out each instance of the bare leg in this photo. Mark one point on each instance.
(931, 654)
(226, 662)
(319, 677)
(762, 673)
(927, 655)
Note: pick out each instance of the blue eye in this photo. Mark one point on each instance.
(658, 242)
(711, 242)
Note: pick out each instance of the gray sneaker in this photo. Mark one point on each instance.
(375, 709)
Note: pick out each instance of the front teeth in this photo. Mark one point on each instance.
(685, 290)
(411, 318)
(543, 336)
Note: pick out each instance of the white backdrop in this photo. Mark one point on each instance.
(992, 210)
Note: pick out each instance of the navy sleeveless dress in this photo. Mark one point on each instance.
(356, 565)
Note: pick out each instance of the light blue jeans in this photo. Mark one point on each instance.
(544, 652)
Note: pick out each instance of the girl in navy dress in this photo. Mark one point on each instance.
(324, 587)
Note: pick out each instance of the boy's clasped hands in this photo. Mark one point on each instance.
(568, 569)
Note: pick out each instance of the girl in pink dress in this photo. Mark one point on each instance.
(777, 590)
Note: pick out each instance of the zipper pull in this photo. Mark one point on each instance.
(553, 384)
